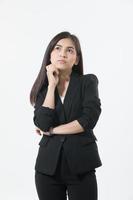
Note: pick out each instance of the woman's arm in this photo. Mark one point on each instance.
(91, 109)
(44, 110)
(69, 128)
(50, 100)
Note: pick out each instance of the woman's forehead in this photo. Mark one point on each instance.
(67, 42)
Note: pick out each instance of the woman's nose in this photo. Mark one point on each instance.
(62, 53)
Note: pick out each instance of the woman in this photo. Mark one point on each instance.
(67, 108)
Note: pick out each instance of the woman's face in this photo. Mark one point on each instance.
(64, 55)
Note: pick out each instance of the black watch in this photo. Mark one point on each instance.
(50, 133)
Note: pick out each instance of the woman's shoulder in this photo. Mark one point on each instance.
(87, 78)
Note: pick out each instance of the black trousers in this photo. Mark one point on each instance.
(64, 184)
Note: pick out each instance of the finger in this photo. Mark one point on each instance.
(37, 129)
(57, 71)
(46, 132)
(55, 68)
(38, 132)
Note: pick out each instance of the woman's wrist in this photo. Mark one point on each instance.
(51, 131)
(51, 86)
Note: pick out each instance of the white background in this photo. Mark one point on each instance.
(105, 30)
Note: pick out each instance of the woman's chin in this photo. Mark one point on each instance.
(61, 67)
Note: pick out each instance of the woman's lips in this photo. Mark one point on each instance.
(62, 61)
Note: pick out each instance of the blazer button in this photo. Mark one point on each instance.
(62, 139)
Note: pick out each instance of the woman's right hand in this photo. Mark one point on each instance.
(52, 74)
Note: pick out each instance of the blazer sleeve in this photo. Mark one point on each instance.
(91, 104)
(43, 116)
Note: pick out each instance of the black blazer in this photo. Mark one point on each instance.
(81, 103)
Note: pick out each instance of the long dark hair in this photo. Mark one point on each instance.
(41, 80)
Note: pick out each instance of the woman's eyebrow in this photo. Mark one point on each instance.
(67, 46)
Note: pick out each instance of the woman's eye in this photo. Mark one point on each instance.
(70, 50)
(56, 47)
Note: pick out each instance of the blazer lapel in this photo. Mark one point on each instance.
(65, 108)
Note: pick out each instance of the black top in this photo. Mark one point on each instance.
(81, 103)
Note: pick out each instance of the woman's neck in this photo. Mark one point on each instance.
(64, 76)
(64, 79)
